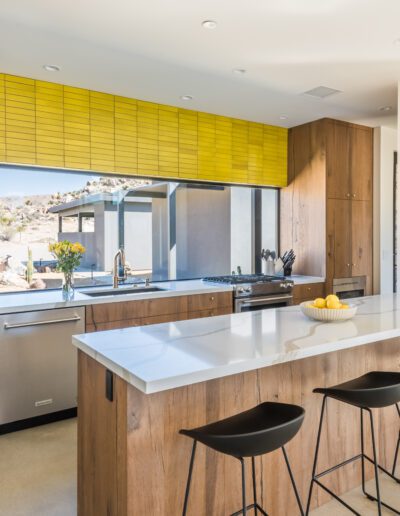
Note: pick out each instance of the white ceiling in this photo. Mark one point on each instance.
(157, 50)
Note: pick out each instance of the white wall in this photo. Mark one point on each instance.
(385, 144)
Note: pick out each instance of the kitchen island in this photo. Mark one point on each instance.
(139, 386)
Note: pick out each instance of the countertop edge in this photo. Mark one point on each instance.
(153, 387)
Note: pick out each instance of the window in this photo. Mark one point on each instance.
(169, 230)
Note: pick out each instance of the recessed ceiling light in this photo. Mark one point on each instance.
(385, 108)
(283, 117)
(186, 97)
(239, 71)
(209, 24)
(51, 68)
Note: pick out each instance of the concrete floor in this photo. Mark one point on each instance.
(38, 471)
(38, 476)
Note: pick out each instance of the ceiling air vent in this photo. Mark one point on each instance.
(321, 92)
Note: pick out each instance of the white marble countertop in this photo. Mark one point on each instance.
(165, 356)
(49, 299)
(305, 280)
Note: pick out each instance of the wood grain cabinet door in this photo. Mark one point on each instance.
(338, 160)
(339, 239)
(361, 245)
(361, 163)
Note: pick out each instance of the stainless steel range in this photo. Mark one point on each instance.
(257, 291)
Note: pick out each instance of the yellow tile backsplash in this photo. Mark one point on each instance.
(52, 125)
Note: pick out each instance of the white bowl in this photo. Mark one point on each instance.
(327, 314)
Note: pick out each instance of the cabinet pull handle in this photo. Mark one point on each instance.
(354, 195)
(212, 298)
(348, 195)
(348, 265)
(8, 326)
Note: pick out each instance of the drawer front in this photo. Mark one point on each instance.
(308, 292)
(201, 302)
(120, 311)
(209, 313)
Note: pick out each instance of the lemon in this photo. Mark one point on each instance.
(320, 302)
(332, 297)
(333, 304)
(344, 306)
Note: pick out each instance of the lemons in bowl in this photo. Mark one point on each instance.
(328, 309)
(331, 302)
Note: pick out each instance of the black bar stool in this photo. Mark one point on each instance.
(260, 430)
(376, 389)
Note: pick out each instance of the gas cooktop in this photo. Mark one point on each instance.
(237, 279)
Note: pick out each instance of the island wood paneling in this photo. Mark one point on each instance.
(52, 125)
(151, 459)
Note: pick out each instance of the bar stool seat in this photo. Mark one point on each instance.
(260, 430)
(376, 389)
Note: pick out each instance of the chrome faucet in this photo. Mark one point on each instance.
(119, 261)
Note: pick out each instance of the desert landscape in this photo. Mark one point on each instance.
(26, 224)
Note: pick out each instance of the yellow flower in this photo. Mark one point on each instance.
(77, 248)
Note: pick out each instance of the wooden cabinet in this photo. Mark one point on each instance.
(337, 160)
(349, 239)
(326, 210)
(339, 238)
(307, 292)
(361, 238)
(109, 316)
(349, 165)
(361, 163)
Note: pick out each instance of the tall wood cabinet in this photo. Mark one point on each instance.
(326, 211)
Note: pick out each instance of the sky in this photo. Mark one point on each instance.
(20, 181)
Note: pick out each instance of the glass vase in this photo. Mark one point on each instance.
(68, 286)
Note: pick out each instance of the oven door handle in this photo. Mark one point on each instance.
(264, 300)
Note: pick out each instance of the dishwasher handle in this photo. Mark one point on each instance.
(8, 326)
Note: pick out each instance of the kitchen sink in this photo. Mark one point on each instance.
(121, 291)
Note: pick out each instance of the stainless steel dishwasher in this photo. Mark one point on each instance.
(38, 363)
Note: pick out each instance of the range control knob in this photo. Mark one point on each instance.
(283, 285)
(240, 290)
(247, 289)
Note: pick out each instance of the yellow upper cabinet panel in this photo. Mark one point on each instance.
(168, 141)
(20, 95)
(2, 119)
(77, 128)
(49, 124)
(52, 125)
(125, 135)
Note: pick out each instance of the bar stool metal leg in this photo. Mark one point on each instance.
(314, 470)
(378, 494)
(257, 508)
(185, 504)
(244, 511)
(293, 482)
(253, 473)
(396, 455)
(377, 467)
(315, 477)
